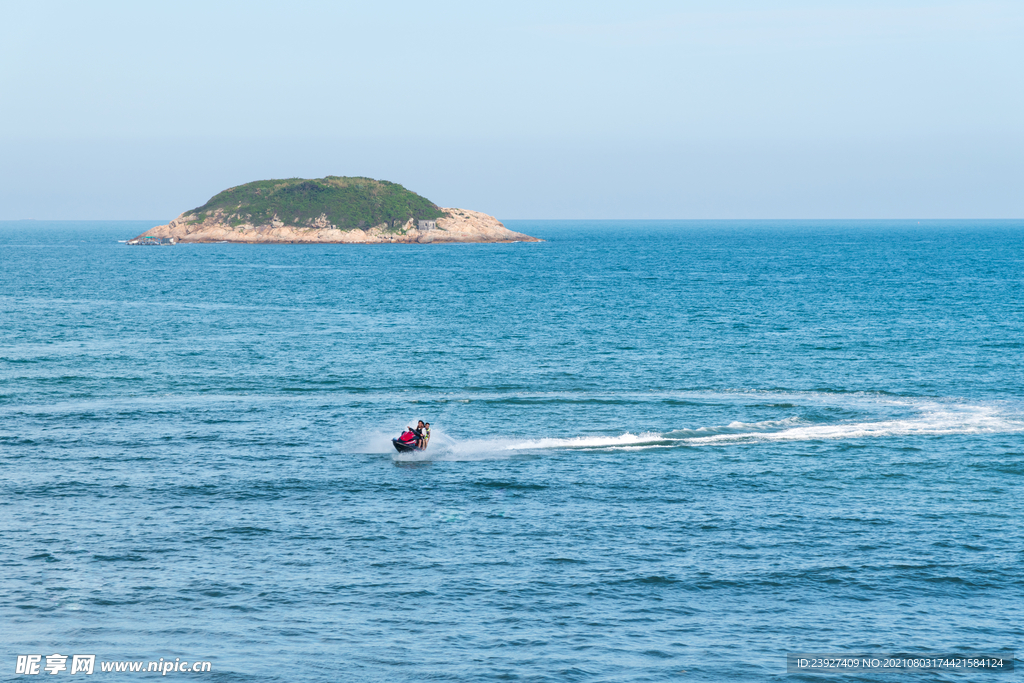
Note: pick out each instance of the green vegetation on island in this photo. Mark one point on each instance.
(347, 203)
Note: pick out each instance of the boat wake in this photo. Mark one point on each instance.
(927, 419)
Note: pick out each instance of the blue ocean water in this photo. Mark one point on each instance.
(661, 450)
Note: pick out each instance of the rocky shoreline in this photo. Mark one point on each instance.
(456, 225)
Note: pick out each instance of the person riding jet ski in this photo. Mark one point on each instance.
(412, 439)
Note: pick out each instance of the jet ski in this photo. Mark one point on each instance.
(406, 442)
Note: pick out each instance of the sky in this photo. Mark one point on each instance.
(586, 110)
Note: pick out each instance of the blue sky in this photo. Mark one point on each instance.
(783, 109)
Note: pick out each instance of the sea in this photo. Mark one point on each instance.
(661, 451)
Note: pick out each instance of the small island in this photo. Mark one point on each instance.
(327, 210)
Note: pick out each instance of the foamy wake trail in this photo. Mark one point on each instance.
(932, 419)
(579, 442)
(445, 448)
